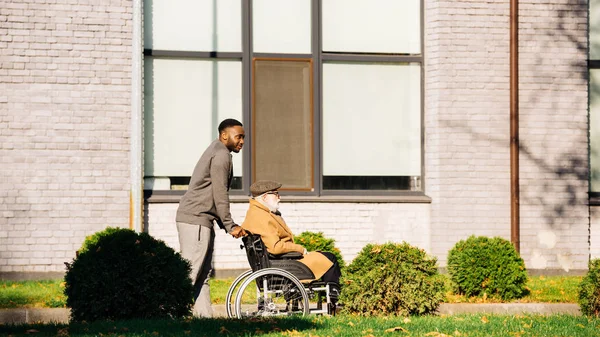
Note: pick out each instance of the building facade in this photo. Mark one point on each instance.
(385, 120)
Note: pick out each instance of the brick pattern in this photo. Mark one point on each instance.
(64, 126)
(466, 120)
(351, 225)
(64, 136)
(467, 126)
(554, 133)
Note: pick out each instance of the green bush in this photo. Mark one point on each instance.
(392, 279)
(589, 290)
(121, 274)
(318, 242)
(490, 267)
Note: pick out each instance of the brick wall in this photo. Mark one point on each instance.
(64, 136)
(64, 127)
(554, 133)
(351, 225)
(467, 126)
(466, 120)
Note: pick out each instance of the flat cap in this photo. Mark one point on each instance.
(262, 186)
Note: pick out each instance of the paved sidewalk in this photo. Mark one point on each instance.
(60, 315)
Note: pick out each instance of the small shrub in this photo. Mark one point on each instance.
(490, 267)
(121, 274)
(392, 279)
(589, 290)
(318, 242)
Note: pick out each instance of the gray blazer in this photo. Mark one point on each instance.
(207, 197)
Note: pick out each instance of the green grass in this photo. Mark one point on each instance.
(462, 325)
(49, 294)
(36, 294)
(544, 289)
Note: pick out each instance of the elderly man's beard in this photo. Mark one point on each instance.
(272, 205)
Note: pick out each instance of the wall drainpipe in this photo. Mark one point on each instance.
(135, 150)
(514, 125)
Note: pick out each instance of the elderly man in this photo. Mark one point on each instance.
(263, 218)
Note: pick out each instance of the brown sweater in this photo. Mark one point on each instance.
(207, 197)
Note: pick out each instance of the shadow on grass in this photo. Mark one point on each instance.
(188, 327)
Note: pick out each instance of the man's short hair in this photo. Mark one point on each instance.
(229, 122)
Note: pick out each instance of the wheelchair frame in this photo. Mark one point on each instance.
(275, 281)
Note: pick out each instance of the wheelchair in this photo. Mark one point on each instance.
(273, 286)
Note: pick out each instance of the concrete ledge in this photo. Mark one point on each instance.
(509, 308)
(30, 275)
(34, 315)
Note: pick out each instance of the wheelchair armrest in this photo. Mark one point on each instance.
(286, 256)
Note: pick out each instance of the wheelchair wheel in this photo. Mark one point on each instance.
(271, 292)
(229, 300)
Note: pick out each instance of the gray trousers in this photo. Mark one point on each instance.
(196, 244)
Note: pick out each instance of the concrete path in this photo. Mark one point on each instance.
(60, 315)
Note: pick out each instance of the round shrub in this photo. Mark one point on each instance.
(483, 266)
(392, 279)
(318, 242)
(121, 274)
(589, 290)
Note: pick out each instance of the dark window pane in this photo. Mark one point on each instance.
(366, 183)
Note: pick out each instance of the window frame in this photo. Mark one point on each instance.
(317, 58)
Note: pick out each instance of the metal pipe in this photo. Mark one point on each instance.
(514, 125)
(135, 150)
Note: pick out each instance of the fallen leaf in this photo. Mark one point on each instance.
(406, 320)
(397, 328)
(223, 330)
(484, 319)
(350, 324)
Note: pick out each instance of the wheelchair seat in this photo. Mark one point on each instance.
(259, 258)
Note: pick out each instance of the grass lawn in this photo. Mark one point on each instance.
(313, 326)
(547, 289)
(49, 294)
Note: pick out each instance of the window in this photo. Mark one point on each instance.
(329, 92)
(594, 92)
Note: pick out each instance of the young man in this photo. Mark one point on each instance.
(205, 202)
(263, 218)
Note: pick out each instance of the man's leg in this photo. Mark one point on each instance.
(202, 306)
(196, 245)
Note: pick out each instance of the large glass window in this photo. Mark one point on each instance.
(371, 125)
(329, 91)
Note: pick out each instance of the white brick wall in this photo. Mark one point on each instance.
(64, 136)
(466, 120)
(64, 127)
(467, 126)
(351, 225)
(554, 134)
